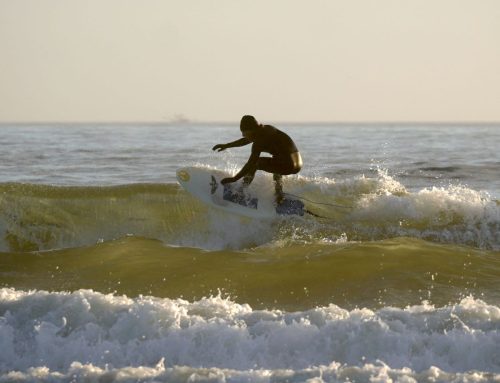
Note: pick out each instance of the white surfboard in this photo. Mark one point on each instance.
(204, 184)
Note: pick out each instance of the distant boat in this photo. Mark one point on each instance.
(180, 119)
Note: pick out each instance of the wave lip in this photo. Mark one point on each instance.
(62, 332)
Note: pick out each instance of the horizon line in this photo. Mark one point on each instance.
(236, 122)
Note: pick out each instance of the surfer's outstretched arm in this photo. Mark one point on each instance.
(241, 142)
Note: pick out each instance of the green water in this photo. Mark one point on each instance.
(395, 272)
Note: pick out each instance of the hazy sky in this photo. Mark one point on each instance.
(215, 60)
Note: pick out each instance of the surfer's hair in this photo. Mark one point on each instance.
(248, 123)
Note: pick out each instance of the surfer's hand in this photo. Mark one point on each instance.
(227, 180)
(219, 147)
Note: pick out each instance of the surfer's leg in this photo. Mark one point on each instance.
(248, 178)
(278, 187)
(278, 168)
(266, 164)
(280, 165)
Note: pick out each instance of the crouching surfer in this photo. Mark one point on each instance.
(285, 158)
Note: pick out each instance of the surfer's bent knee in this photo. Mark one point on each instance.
(297, 162)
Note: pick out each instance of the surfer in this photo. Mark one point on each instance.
(285, 158)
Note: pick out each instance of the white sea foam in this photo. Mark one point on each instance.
(88, 335)
(381, 207)
(455, 214)
(378, 372)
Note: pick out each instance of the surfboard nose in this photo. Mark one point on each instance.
(183, 175)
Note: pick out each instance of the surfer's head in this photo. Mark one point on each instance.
(248, 125)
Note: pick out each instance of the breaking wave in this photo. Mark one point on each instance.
(41, 217)
(86, 334)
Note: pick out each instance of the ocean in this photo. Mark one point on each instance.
(111, 272)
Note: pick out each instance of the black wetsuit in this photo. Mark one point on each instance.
(273, 141)
(270, 140)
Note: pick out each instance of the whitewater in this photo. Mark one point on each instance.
(109, 271)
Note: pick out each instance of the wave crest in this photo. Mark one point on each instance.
(41, 217)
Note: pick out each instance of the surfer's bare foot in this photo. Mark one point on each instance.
(279, 199)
